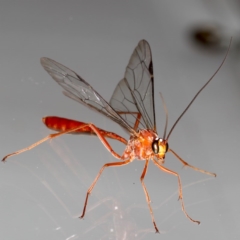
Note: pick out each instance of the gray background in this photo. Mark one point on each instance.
(43, 190)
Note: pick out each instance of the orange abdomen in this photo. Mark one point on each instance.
(63, 124)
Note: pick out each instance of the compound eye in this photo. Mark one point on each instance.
(155, 147)
(167, 147)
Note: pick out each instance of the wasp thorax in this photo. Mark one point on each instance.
(160, 147)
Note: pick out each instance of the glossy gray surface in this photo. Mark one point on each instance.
(43, 190)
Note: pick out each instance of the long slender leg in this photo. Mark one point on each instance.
(50, 136)
(179, 188)
(188, 165)
(114, 164)
(54, 135)
(147, 195)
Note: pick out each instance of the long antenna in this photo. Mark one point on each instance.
(199, 92)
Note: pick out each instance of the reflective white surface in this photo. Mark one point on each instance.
(43, 190)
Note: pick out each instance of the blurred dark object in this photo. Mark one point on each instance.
(209, 36)
(214, 39)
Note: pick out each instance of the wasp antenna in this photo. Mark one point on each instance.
(166, 112)
(200, 91)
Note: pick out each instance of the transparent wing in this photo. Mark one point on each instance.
(79, 90)
(133, 97)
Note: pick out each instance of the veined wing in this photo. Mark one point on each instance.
(79, 90)
(133, 97)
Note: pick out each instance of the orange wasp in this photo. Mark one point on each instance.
(131, 106)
